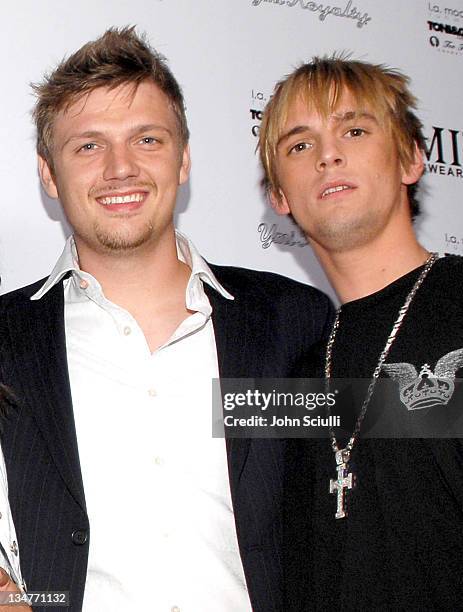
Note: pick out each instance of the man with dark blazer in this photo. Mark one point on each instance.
(110, 362)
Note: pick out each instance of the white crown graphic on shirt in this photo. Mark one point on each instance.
(428, 388)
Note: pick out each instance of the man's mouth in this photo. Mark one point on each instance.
(335, 188)
(123, 202)
(129, 198)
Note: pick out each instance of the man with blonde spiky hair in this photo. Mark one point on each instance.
(371, 523)
(119, 492)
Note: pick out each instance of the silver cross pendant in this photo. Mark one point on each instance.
(344, 481)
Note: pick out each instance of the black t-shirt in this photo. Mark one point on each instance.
(401, 545)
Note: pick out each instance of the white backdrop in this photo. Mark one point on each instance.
(227, 55)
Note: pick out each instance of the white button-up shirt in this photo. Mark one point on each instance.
(156, 483)
(9, 552)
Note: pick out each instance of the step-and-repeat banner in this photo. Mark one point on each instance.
(227, 55)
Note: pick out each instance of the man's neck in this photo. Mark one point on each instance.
(368, 268)
(149, 283)
(153, 268)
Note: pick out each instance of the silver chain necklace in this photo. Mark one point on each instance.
(346, 480)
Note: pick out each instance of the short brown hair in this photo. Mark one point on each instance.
(321, 83)
(118, 57)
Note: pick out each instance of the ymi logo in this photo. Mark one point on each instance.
(444, 152)
(324, 10)
(269, 234)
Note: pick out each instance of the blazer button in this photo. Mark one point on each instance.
(79, 536)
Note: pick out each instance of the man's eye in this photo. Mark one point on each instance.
(148, 140)
(88, 146)
(355, 132)
(300, 146)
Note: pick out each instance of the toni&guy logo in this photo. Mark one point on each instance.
(323, 10)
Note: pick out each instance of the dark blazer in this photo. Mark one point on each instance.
(269, 327)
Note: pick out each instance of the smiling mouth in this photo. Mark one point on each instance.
(130, 198)
(336, 189)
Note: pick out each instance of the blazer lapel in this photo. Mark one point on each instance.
(39, 354)
(235, 353)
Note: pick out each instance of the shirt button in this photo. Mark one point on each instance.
(158, 460)
(127, 330)
(152, 392)
(83, 284)
(80, 536)
(14, 548)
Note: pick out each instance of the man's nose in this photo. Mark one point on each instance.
(120, 163)
(330, 153)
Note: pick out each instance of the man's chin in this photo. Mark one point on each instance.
(120, 243)
(346, 235)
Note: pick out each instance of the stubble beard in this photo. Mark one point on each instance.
(120, 242)
(344, 235)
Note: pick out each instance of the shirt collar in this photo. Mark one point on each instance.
(186, 252)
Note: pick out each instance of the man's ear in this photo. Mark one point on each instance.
(279, 202)
(415, 168)
(185, 167)
(46, 178)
